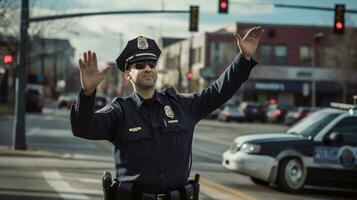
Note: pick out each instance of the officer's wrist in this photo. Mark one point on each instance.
(88, 92)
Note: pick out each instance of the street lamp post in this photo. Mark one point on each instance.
(317, 38)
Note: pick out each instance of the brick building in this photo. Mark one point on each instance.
(288, 55)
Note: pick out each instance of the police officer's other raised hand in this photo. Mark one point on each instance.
(89, 73)
(248, 45)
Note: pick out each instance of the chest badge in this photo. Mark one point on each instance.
(168, 112)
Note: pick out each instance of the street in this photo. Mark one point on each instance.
(58, 165)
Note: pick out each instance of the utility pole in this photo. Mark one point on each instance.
(316, 39)
(55, 80)
(19, 122)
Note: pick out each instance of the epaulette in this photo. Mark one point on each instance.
(169, 90)
(118, 99)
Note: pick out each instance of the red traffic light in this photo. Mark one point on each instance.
(339, 25)
(339, 19)
(223, 5)
(189, 75)
(7, 59)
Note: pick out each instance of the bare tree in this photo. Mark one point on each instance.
(10, 16)
(341, 54)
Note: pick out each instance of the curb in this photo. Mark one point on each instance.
(30, 152)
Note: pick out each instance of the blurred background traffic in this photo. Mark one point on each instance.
(307, 59)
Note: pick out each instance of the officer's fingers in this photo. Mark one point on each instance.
(250, 33)
(260, 32)
(95, 60)
(81, 65)
(238, 37)
(90, 62)
(85, 59)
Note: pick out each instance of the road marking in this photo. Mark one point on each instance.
(219, 191)
(33, 131)
(90, 180)
(213, 140)
(54, 179)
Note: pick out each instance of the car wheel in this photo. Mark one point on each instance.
(258, 181)
(292, 175)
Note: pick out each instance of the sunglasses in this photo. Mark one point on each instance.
(142, 65)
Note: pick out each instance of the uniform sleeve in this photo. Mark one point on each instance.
(204, 102)
(92, 125)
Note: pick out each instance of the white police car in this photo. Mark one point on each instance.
(319, 150)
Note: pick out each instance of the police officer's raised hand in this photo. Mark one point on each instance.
(89, 73)
(248, 45)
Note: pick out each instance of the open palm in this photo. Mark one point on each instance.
(89, 73)
(248, 45)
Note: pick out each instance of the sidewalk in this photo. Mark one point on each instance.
(39, 174)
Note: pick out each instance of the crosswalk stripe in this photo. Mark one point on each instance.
(54, 179)
(219, 191)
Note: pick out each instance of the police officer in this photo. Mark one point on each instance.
(152, 130)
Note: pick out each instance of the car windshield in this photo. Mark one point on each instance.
(232, 109)
(311, 125)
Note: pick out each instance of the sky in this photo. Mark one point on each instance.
(107, 34)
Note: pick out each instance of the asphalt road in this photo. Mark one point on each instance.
(65, 167)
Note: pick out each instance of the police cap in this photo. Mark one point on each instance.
(138, 49)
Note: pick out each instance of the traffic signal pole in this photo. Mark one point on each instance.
(19, 137)
(312, 8)
(19, 121)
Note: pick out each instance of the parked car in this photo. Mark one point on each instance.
(252, 111)
(34, 99)
(231, 113)
(297, 114)
(320, 150)
(214, 114)
(66, 100)
(277, 112)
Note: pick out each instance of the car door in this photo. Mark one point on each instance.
(337, 159)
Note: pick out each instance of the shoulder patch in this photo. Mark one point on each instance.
(106, 109)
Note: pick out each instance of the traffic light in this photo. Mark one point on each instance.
(189, 75)
(339, 26)
(7, 59)
(194, 18)
(223, 6)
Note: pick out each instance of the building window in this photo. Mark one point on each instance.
(216, 46)
(305, 55)
(280, 52)
(265, 54)
(196, 55)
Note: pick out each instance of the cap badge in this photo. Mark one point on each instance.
(142, 43)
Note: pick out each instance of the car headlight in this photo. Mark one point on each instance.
(250, 148)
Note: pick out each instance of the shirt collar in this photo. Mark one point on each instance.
(139, 100)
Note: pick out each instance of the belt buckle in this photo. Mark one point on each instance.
(160, 196)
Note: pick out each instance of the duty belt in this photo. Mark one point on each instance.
(113, 190)
(149, 196)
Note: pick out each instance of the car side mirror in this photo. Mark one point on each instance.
(335, 138)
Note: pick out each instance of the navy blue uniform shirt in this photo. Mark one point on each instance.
(152, 139)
